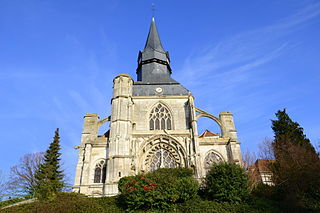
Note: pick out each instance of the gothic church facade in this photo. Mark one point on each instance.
(153, 125)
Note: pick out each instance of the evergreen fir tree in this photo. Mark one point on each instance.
(286, 131)
(296, 168)
(50, 177)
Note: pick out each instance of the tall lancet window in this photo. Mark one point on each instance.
(100, 172)
(160, 118)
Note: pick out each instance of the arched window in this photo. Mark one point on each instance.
(210, 159)
(100, 172)
(160, 118)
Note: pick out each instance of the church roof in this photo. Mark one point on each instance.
(153, 41)
(208, 134)
(154, 69)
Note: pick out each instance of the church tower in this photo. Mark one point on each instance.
(153, 125)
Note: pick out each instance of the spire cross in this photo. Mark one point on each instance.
(153, 9)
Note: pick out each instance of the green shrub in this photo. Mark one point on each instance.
(311, 199)
(138, 192)
(226, 182)
(265, 191)
(254, 205)
(78, 203)
(177, 184)
(157, 190)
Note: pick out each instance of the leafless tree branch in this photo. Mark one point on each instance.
(22, 176)
(266, 149)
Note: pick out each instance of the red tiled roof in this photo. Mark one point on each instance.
(208, 134)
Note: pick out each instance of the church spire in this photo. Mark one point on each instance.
(153, 41)
(154, 61)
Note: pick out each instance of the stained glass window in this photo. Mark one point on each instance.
(160, 118)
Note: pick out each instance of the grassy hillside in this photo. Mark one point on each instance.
(68, 202)
(71, 202)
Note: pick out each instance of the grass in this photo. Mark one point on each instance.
(77, 203)
(10, 202)
(69, 203)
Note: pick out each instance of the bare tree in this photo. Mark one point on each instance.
(22, 176)
(248, 159)
(2, 185)
(266, 149)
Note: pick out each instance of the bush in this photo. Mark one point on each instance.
(265, 191)
(138, 192)
(157, 190)
(178, 185)
(311, 199)
(254, 205)
(226, 182)
(78, 203)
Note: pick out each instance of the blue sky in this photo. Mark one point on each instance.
(58, 59)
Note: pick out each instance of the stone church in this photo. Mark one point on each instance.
(153, 124)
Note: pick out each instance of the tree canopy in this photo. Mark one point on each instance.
(297, 165)
(287, 131)
(22, 179)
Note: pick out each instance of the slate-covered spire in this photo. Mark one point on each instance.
(153, 41)
(154, 61)
(154, 72)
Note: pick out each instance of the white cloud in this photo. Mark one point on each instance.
(236, 76)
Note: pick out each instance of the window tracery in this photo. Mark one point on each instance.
(162, 159)
(160, 118)
(162, 156)
(210, 159)
(100, 172)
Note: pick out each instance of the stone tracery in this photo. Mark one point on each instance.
(163, 152)
(160, 118)
(100, 172)
(210, 159)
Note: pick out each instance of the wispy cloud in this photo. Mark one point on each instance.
(234, 72)
(249, 49)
